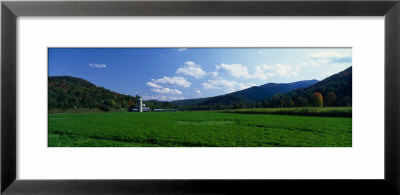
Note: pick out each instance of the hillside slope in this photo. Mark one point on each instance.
(243, 97)
(268, 90)
(335, 90)
(340, 83)
(71, 92)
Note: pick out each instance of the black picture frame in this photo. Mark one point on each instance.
(11, 10)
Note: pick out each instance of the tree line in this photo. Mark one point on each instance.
(315, 99)
(70, 92)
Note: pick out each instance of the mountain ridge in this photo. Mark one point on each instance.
(249, 95)
(335, 90)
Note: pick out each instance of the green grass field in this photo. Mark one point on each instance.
(197, 129)
(305, 111)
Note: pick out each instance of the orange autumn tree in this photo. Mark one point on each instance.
(317, 99)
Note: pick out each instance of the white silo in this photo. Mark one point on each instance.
(140, 105)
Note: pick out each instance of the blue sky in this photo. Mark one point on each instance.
(183, 73)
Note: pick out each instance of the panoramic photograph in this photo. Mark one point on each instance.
(199, 97)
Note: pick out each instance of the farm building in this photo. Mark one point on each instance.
(145, 109)
(141, 107)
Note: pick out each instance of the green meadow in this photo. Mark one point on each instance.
(302, 111)
(244, 128)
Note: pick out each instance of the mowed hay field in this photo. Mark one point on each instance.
(197, 129)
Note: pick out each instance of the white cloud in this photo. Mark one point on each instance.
(235, 70)
(219, 83)
(330, 54)
(162, 98)
(229, 90)
(160, 89)
(329, 57)
(166, 90)
(242, 86)
(326, 75)
(299, 66)
(326, 58)
(181, 49)
(265, 71)
(215, 73)
(180, 81)
(227, 86)
(191, 69)
(151, 84)
(198, 92)
(94, 65)
(262, 72)
(260, 52)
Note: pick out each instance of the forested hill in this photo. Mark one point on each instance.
(242, 98)
(268, 90)
(340, 83)
(71, 92)
(335, 90)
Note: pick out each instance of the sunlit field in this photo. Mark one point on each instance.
(246, 128)
(306, 111)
